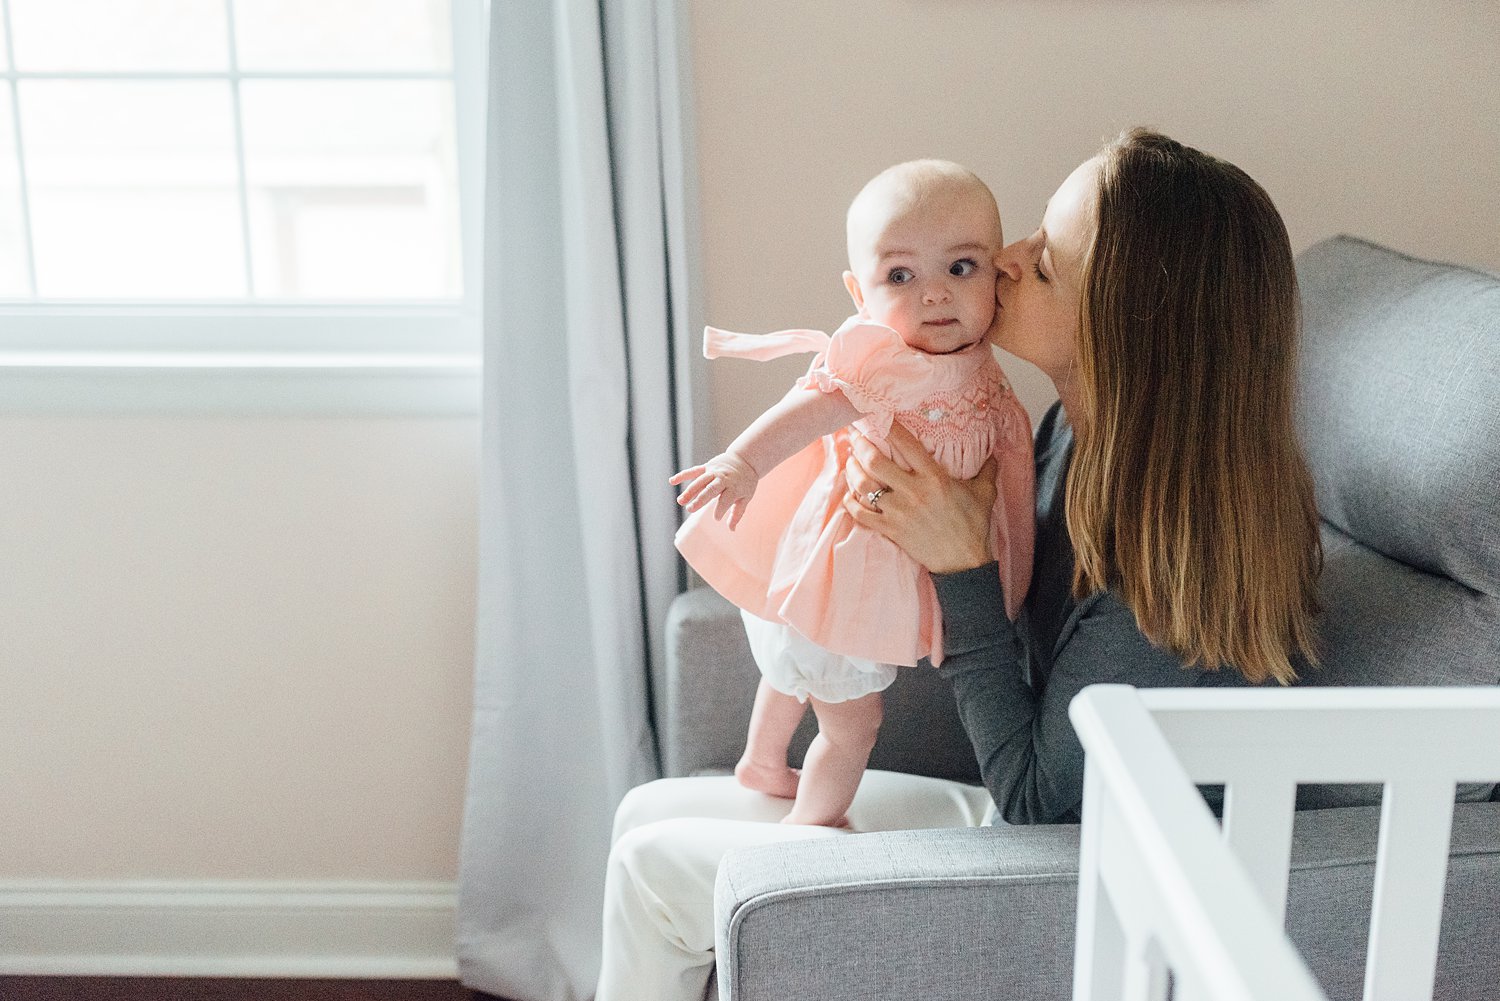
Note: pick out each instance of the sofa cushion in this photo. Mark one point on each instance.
(1386, 623)
(1399, 405)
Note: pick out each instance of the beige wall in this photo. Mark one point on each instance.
(1380, 119)
(242, 647)
(235, 648)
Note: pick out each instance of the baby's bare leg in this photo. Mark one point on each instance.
(763, 766)
(836, 760)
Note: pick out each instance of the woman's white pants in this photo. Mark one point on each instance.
(669, 837)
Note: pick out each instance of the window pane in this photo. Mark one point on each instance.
(65, 35)
(353, 190)
(12, 241)
(4, 48)
(134, 189)
(343, 35)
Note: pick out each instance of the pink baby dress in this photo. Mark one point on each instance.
(798, 558)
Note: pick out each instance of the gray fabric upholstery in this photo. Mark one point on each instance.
(989, 913)
(985, 912)
(1328, 903)
(711, 681)
(1400, 416)
(1400, 402)
(1385, 623)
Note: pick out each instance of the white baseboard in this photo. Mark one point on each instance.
(227, 929)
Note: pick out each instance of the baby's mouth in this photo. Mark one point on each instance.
(947, 322)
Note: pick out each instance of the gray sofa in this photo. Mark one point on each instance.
(1400, 411)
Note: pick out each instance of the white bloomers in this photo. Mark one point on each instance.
(795, 665)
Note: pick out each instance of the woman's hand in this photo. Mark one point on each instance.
(941, 522)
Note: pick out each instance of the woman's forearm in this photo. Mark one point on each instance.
(984, 659)
(1028, 753)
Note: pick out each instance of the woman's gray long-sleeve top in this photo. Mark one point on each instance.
(1013, 681)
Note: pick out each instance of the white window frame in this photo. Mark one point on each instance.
(273, 357)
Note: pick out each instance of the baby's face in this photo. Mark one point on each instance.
(929, 273)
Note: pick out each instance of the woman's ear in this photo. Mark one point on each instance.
(855, 292)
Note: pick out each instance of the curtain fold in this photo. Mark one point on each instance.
(587, 410)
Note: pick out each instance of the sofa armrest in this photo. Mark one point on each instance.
(989, 912)
(939, 914)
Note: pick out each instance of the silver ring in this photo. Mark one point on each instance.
(873, 498)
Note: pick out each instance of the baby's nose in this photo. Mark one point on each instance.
(935, 292)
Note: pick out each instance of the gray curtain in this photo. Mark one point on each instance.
(587, 411)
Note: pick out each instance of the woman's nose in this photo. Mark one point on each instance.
(1011, 261)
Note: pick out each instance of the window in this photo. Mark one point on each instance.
(239, 179)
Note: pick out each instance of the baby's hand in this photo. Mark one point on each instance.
(725, 476)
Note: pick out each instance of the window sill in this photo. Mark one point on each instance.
(210, 384)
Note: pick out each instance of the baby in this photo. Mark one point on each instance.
(830, 608)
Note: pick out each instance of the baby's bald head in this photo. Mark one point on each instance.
(926, 186)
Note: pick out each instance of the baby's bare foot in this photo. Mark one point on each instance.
(795, 817)
(768, 779)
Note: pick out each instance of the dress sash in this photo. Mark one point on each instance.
(762, 347)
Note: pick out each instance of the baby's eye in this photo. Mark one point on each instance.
(963, 267)
(1039, 276)
(899, 276)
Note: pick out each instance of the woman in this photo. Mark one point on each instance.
(1176, 531)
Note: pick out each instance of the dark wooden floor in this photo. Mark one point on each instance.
(230, 989)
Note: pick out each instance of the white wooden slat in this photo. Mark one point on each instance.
(1334, 734)
(1099, 946)
(1146, 972)
(1204, 702)
(1099, 958)
(1154, 914)
(1137, 901)
(1188, 985)
(1258, 815)
(1339, 747)
(1416, 822)
(1167, 868)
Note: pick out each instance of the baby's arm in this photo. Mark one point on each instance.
(803, 415)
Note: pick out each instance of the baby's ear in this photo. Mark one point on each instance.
(855, 292)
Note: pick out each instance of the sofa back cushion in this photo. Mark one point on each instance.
(1399, 410)
(1400, 406)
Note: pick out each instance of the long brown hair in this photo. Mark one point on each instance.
(1188, 491)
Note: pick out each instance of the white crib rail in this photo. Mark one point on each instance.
(1158, 887)
(1162, 886)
